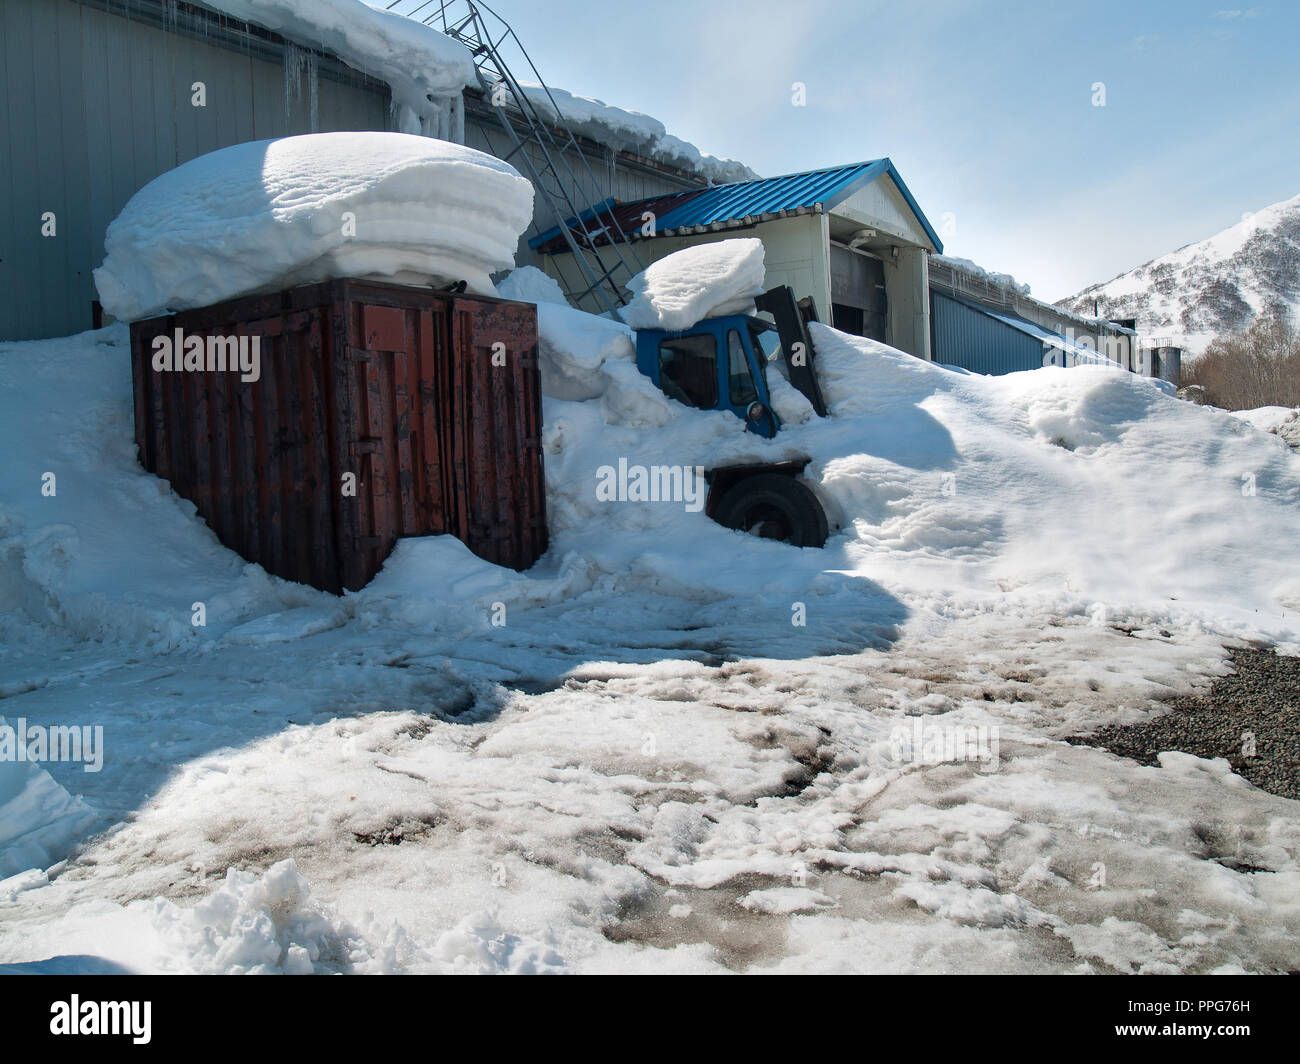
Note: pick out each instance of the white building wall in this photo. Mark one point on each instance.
(881, 206)
(796, 251)
(907, 290)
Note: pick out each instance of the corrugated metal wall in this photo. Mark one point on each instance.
(97, 102)
(961, 336)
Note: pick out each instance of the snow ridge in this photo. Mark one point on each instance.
(1214, 286)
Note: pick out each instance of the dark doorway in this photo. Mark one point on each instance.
(858, 293)
(846, 319)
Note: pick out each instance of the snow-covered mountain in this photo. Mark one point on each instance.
(1215, 286)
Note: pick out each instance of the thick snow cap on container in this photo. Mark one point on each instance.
(705, 281)
(273, 214)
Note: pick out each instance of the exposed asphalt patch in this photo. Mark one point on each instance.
(1251, 717)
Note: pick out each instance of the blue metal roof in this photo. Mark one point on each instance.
(744, 202)
(788, 194)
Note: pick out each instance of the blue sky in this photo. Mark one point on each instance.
(985, 107)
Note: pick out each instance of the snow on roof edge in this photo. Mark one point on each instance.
(632, 131)
(418, 63)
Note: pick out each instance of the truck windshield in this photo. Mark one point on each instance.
(688, 370)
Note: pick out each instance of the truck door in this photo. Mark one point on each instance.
(713, 368)
(745, 384)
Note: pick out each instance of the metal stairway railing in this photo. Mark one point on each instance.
(546, 150)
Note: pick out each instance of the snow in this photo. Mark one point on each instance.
(1210, 287)
(630, 131)
(1267, 418)
(573, 347)
(424, 67)
(704, 281)
(270, 924)
(415, 60)
(649, 767)
(785, 900)
(967, 266)
(267, 215)
(39, 820)
(528, 284)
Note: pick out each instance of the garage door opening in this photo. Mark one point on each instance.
(858, 304)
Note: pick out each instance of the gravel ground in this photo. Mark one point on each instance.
(1260, 699)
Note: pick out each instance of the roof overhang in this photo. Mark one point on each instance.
(745, 204)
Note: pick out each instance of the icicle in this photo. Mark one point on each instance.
(294, 61)
(313, 62)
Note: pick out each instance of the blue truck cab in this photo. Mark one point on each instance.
(724, 364)
(719, 364)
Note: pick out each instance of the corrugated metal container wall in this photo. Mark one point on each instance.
(961, 336)
(396, 386)
(99, 100)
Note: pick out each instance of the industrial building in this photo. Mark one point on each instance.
(986, 323)
(102, 97)
(851, 237)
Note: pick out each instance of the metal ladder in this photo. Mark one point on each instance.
(553, 146)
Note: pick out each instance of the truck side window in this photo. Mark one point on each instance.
(688, 370)
(768, 347)
(740, 380)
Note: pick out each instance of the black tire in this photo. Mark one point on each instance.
(774, 507)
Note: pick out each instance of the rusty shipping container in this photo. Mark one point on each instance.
(377, 411)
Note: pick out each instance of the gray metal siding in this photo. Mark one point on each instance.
(964, 337)
(96, 104)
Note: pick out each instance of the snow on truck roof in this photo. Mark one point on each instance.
(704, 281)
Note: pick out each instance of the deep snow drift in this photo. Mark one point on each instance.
(39, 820)
(653, 765)
(271, 214)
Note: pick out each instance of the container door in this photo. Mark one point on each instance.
(495, 426)
(392, 420)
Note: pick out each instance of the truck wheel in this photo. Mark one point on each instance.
(774, 507)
